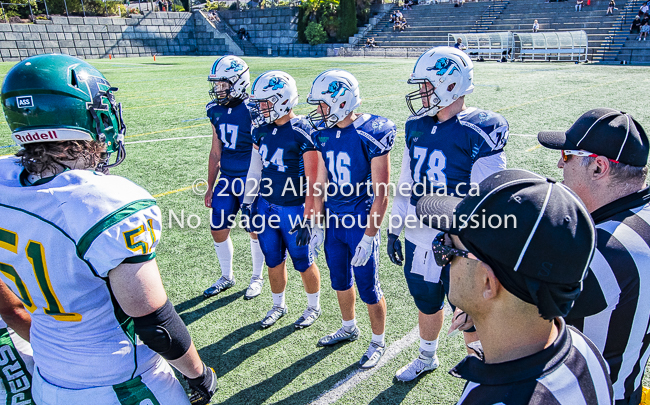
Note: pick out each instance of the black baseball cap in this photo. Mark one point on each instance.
(534, 233)
(603, 131)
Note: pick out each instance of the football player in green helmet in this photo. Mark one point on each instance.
(97, 235)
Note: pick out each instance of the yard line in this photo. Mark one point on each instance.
(525, 135)
(533, 148)
(355, 377)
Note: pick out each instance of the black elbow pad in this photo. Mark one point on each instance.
(164, 332)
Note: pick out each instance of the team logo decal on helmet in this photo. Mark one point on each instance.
(50, 98)
(444, 65)
(234, 65)
(443, 74)
(336, 93)
(273, 96)
(335, 87)
(229, 78)
(275, 83)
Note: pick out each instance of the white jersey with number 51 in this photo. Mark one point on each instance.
(59, 238)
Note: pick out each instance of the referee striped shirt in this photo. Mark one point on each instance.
(613, 309)
(569, 372)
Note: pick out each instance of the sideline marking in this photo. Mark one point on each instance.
(354, 378)
(179, 190)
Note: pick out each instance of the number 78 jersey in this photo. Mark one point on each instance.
(58, 242)
(443, 155)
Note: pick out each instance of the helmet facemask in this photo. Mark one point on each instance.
(220, 91)
(424, 100)
(321, 118)
(109, 127)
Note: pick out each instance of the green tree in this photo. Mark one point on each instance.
(315, 34)
(348, 16)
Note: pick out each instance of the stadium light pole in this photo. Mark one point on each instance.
(65, 3)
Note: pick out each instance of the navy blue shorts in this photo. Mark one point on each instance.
(227, 197)
(275, 222)
(340, 244)
(429, 296)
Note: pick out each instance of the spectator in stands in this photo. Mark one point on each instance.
(611, 7)
(644, 31)
(636, 25)
(643, 11)
(459, 44)
(242, 34)
(398, 14)
(370, 43)
(393, 17)
(579, 5)
(408, 5)
(535, 26)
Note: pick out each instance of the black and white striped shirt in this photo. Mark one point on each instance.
(569, 372)
(613, 309)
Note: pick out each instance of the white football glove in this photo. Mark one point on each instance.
(317, 237)
(363, 251)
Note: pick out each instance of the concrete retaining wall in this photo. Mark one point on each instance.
(98, 37)
(273, 32)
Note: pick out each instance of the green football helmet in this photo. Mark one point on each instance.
(49, 98)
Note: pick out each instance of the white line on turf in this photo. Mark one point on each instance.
(169, 139)
(354, 378)
(525, 135)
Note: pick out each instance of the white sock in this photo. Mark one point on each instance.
(313, 300)
(224, 254)
(258, 258)
(278, 300)
(379, 339)
(428, 347)
(349, 325)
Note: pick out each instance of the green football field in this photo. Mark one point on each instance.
(168, 141)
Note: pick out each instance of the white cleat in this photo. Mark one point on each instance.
(417, 367)
(255, 288)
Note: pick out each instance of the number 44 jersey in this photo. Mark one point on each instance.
(59, 238)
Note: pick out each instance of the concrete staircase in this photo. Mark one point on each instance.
(219, 38)
(428, 25)
(519, 15)
(624, 47)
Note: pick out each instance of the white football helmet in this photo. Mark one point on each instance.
(274, 94)
(340, 91)
(228, 79)
(450, 73)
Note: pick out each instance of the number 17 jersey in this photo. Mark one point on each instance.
(233, 126)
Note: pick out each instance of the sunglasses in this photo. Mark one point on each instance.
(443, 252)
(566, 153)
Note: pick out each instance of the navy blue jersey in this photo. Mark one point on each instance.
(233, 125)
(347, 153)
(283, 175)
(442, 154)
